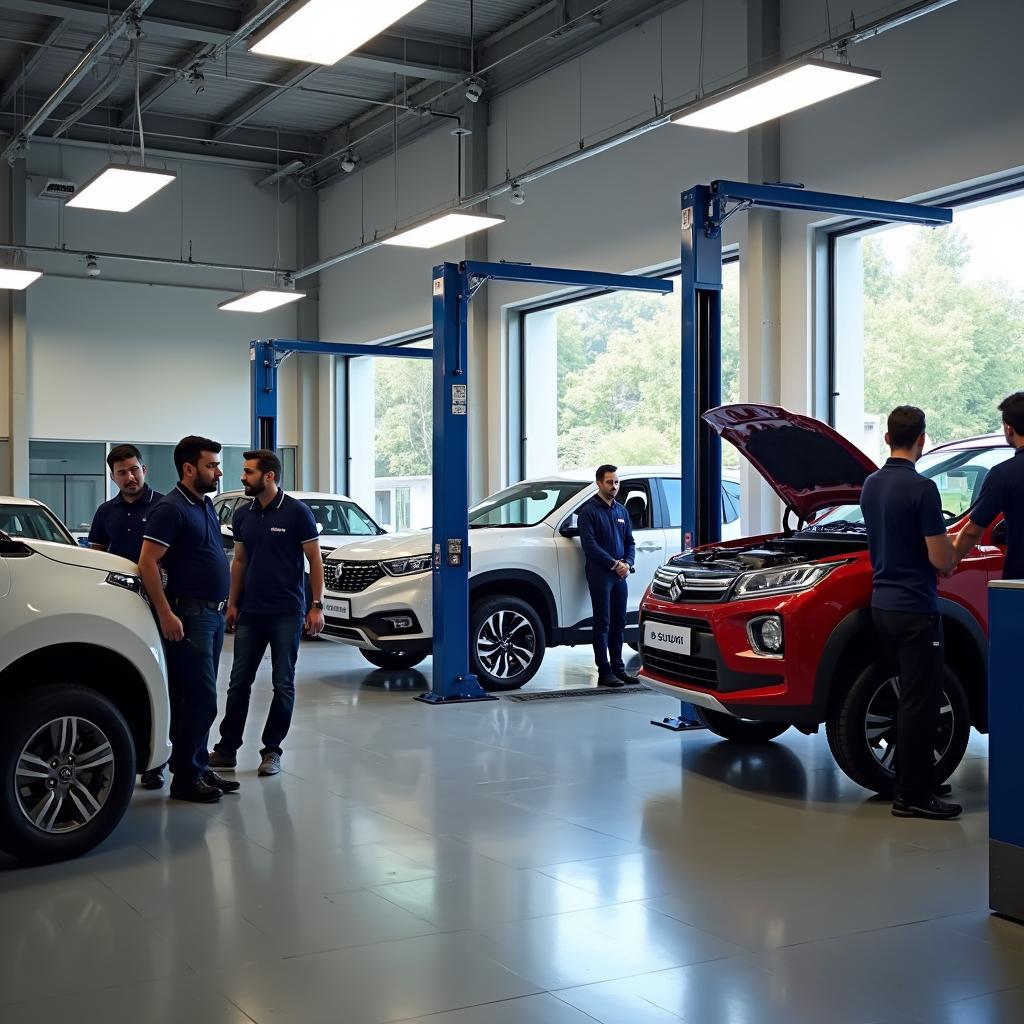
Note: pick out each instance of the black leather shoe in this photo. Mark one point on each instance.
(625, 677)
(195, 791)
(607, 679)
(932, 808)
(153, 779)
(941, 789)
(211, 778)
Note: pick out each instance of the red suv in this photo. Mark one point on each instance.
(769, 632)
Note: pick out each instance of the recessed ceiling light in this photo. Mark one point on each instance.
(18, 278)
(119, 188)
(780, 92)
(324, 31)
(261, 300)
(444, 228)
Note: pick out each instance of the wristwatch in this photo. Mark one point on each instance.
(319, 605)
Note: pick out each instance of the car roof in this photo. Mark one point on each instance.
(981, 441)
(587, 475)
(6, 500)
(301, 495)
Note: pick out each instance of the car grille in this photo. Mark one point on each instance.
(699, 667)
(679, 583)
(351, 577)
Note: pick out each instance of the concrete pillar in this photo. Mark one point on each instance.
(14, 323)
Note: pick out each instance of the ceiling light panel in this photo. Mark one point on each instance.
(771, 96)
(119, 188)
(261, 301)
(445, 228)
(324, 31)
(18, 279)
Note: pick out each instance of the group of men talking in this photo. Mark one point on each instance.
(196, 595)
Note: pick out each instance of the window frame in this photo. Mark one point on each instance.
(955, 197)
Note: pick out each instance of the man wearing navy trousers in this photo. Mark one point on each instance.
(607, 539)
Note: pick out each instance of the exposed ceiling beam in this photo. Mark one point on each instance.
(31, 58)
(162, 83)
(261, 98)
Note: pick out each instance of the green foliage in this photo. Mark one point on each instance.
(932, 339)
(404, 410)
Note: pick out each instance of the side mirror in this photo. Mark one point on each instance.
(570, 528)
(1000, 535)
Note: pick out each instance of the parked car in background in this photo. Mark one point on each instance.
(83, 689)
(26, 517)
(769, 632)
(528, 590)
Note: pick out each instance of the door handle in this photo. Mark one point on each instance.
(648, 547)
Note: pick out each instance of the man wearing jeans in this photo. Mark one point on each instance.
(183, 536)
(908, 544)
(266, 606)
(606, 536)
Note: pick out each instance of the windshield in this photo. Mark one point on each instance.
(342, 518)
(34, 522)
(525, 504)
(958, 474)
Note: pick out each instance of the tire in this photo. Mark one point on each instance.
(506, 643)
(865, 750)
(393, 659)
(740, 730)
(80, 800)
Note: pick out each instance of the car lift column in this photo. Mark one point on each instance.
(1006, 727)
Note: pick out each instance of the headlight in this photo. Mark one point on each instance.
(125, 580)
(407, 566)
(790, 580)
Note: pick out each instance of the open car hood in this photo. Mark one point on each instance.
(808, 465)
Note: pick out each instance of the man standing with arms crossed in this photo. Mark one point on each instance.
(908, 544)
(267, 604)
(1002, 491)
(183, 536)
(119, 524)
(606, 535)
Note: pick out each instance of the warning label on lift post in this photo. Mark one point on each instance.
(460, 394)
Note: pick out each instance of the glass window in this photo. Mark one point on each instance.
(929, 317)
(341, 518)
(159, 462)
(602, 379)
(636, 499)
(32, 521)
(70, 478)
(730, 500)
(523, 504)
(5, 468)
(382, 507)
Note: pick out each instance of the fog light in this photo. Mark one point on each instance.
(765, 635)
(399, 621)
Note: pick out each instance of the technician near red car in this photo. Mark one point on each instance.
(1002, 492)
(909, 546)
(606, 536)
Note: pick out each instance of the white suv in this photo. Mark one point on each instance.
(83, 692)
(528, 589)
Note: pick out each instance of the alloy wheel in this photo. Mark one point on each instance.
(64, 774)
(506, 644)
(880, 724)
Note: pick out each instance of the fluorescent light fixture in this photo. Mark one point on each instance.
(18, 278)
(769, 96)
(261, 300)
(324, 31)
(445, 228)
(119, 188)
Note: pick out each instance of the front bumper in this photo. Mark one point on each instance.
(366, 625)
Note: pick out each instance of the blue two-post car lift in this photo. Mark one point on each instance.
(705, 208)
(454, 286)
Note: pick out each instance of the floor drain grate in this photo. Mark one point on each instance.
(589, 691)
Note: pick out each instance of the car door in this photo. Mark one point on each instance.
(640, 498)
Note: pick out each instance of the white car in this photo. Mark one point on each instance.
(83, 687)
(528, 589)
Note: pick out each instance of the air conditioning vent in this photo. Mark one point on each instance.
(57, 189)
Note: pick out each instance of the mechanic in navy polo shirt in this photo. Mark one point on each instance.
(606, 535)
(267, 605)
(183, 537)
(1002, 492)
(909, 546)
(118, 526)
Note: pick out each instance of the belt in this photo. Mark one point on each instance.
(198, 602)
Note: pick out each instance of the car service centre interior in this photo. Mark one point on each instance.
(496, 382)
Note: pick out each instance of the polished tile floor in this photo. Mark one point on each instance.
(550, 862)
